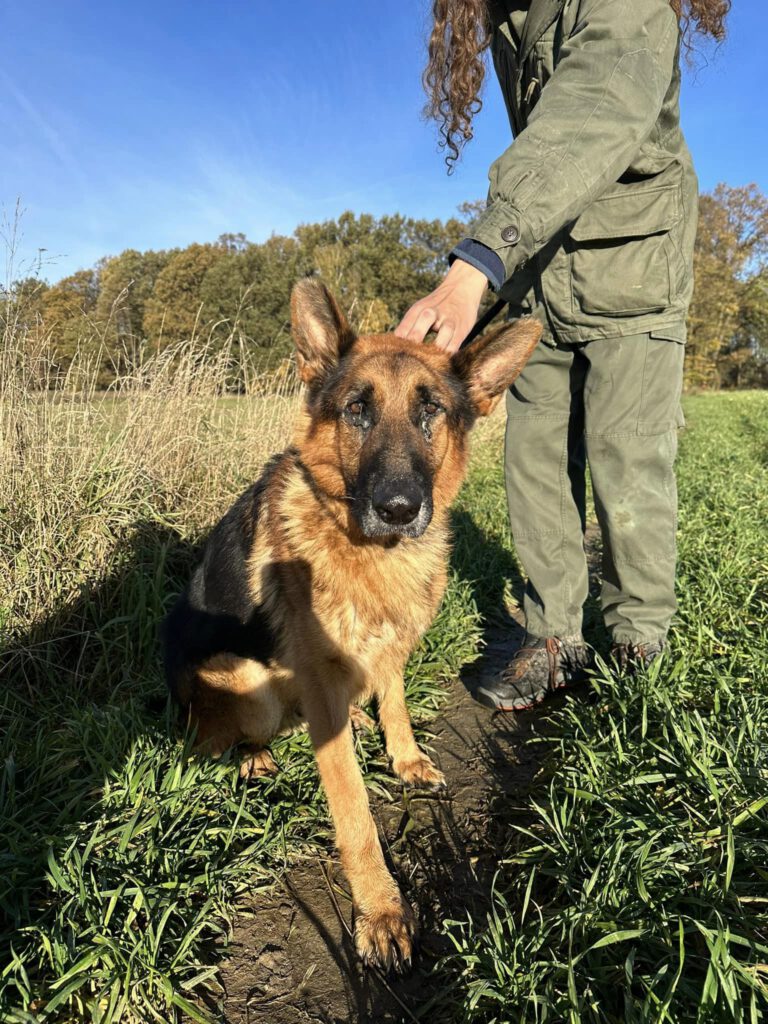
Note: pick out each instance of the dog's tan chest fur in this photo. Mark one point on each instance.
(371, 604)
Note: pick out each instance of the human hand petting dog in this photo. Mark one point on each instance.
(451, 309)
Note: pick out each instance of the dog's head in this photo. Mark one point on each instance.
(387, 418)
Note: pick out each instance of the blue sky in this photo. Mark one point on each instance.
(151, 125)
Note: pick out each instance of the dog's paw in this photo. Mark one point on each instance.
(419, 772)
(257, 763)
(387, 937)
(361, 722)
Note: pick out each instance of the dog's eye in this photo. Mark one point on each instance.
(431, 408)
(356, 408)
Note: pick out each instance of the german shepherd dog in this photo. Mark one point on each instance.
(317, 584)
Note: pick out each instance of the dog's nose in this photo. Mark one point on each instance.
(397, 505)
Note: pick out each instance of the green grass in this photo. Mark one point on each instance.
(634, 886)
(635, 883)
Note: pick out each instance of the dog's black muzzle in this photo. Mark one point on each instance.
(394, 506)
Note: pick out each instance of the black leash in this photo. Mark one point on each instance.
(483, 322)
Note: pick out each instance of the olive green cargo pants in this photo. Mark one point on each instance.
(616, 403)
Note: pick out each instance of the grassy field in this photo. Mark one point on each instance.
(635, 883)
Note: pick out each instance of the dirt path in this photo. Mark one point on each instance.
(293, 961)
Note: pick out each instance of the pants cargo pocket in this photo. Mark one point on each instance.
(660, 410)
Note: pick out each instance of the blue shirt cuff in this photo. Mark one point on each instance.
(481, 258)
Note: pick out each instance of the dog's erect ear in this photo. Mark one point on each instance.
(320, 330)
(490, 365)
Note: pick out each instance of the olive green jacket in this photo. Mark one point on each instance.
(592, 209)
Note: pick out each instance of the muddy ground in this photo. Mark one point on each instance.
(293, 960)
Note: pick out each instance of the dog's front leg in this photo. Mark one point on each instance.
(408, 762)
(385, 925)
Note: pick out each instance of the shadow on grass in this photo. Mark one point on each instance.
(81, 688)
(494, 574)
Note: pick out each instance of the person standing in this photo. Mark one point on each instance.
(589, 227)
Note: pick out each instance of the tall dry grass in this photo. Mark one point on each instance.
(81, 469)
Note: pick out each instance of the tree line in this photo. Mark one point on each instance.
(235, 293)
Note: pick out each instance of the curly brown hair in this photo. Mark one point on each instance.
(461, 33)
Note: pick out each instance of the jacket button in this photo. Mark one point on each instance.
(511, 234)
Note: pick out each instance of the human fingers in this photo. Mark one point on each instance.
(408, 320)
(445, 335)
(417, 322)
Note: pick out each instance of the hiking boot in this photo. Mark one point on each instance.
(630, 659)
(541, 666)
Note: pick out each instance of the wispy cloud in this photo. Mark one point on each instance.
(47, 132)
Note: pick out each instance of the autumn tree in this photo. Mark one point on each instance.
(126, 283)
(21, 304)
(68, 315)
(379, 267)
(175, 310)
(727, 321)
(246, 295)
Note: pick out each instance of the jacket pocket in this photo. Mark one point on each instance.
(621, 251)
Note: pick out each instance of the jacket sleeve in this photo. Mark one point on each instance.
(593, 114)
(481, 258)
